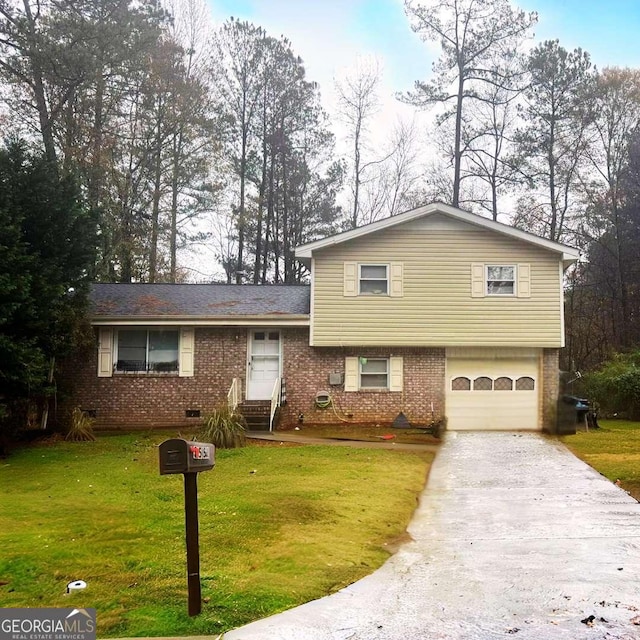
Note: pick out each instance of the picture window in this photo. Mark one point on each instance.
(147, 351)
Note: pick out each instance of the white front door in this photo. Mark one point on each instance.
(264, 364)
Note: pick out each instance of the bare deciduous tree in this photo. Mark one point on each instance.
(473, 34)
(358, 102)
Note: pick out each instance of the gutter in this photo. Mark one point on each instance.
(302, 320)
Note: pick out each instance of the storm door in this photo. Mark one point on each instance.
(263, 363)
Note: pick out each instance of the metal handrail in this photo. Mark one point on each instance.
(234, 395)
(275, 401)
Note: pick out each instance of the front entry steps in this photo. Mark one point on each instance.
(256, 413)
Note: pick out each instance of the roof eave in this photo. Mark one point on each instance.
(295, 320)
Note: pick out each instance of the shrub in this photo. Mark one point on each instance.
(81, 429)
(224, 428)
(616, 385)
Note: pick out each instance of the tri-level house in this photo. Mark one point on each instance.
(435, 313)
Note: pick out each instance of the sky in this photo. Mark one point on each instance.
(330, 35)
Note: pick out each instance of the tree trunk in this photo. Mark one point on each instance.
(155, 210)
(457, 152)
(270, 215)
(38, 87)
(173, 231)
(263, 186)
(243, 172)
(356, 172)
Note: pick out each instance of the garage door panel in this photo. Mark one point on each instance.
(495, 400)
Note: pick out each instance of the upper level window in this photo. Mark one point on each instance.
(501, 280)
(146, 350)
(374, 279)
(374, 373)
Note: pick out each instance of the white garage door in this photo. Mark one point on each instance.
(495, 390)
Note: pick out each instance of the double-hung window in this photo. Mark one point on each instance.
(501, 280)
(374, 373)
(364, 373)
(374, 279)
(146, 350)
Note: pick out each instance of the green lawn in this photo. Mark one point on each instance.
(613, 450)
(279, 526)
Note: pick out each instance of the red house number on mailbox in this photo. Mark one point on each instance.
(200, 453)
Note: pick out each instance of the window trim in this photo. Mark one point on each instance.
(386, 279)
(488, 293)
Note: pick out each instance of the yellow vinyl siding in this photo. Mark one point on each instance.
(437, 307)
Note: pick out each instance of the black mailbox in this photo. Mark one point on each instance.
(183, 456)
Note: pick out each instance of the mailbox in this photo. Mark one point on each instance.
(184, 456)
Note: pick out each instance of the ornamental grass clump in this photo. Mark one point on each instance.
(81, 428)
(224, 428)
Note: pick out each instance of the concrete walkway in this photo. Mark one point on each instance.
(514, 537)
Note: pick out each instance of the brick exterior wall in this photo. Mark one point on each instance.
(307, 369)
(550, 389)
(143, 400)
(139, 400)
(147, 400)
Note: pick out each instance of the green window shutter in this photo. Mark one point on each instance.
(350, 279)
(396, 370)
(105, 353)
(187, 340)
(478, 285)
(395, 280)
(351, 374)
(524, 281)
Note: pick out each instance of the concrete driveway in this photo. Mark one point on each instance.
(514, 537)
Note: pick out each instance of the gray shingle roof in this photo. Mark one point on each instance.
(165, 301)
